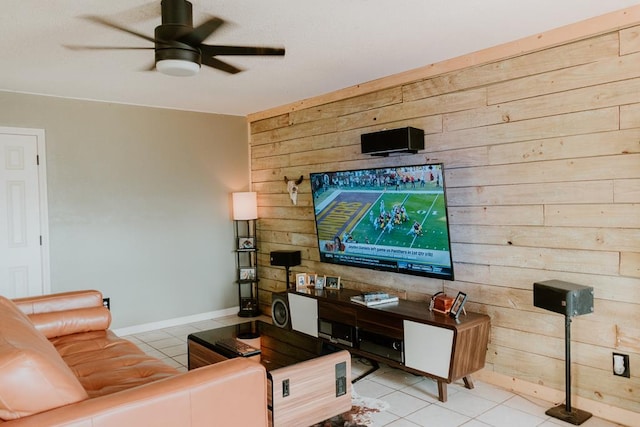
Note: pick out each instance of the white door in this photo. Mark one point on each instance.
(24, 261)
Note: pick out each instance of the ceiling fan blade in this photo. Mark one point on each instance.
(78, 47)
(220, 65)
(137, 14)
(209, 50)
(107, 23)
(202, 31)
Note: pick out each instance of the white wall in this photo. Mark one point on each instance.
(139, 202)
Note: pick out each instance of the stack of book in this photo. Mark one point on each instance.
(374, 298)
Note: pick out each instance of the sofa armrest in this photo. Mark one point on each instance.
(233, 392)
(67, 322)
(59, 302)
(66, 313)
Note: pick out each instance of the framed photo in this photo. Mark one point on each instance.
(457, 305)
(246, 243)
(311, 280)
(332, 282)
(301, 280)
(247, 303)
(320, 280)
(247, 273)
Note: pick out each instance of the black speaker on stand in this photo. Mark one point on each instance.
(285, 259)
(280, 301)
(571, 300)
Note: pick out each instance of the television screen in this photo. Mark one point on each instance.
(391, 219)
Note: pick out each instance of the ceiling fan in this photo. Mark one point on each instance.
(179, 47)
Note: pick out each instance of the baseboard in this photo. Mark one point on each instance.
(178, 321)
(556, 397)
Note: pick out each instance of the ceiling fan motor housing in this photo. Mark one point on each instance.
(177, 21)
(167, 47)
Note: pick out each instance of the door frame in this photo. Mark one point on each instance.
(39, 134)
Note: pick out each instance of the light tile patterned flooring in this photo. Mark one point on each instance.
(412, 399)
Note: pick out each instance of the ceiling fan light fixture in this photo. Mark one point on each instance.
(178, 67)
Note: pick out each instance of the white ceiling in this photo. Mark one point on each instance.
(330, 44)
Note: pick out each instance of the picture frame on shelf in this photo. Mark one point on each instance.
(320, 281)
(246, 243)
(311, 280)
(332, 282)
(247, 273)
(247, 304)
(301, 281)
(458, 305)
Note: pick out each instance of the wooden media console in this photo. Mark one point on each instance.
(403, 334)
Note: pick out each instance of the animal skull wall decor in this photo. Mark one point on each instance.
(292, 188)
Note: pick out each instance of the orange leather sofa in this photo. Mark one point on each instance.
(60, 365)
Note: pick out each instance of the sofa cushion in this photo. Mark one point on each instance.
(105, 363)
(33, 376)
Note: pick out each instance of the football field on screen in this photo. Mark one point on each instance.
(425, 207)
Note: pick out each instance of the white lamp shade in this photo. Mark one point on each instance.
(245, 205)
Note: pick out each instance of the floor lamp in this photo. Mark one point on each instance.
(245, 214)
(571, 300)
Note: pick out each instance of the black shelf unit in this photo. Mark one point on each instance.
(247, 267)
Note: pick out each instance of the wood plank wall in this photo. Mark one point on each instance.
(542, 158)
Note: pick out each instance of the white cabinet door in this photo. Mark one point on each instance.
(304, 314)
(427, 348)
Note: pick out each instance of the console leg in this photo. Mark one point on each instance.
(468, 382)
(442, 391)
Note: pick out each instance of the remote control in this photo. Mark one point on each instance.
(237, 347)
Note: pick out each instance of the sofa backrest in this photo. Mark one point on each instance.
(33, 376)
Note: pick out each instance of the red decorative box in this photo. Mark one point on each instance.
(442, 303)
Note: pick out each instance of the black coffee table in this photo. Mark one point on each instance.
(279, 347)
(307, 382)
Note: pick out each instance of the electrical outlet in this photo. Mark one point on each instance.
(621, 365)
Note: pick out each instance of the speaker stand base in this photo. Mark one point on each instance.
(575, 416)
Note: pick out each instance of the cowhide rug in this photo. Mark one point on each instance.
(360, 413)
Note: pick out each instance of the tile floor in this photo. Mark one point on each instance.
(412, 399)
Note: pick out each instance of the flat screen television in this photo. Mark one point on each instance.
(390, 219)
